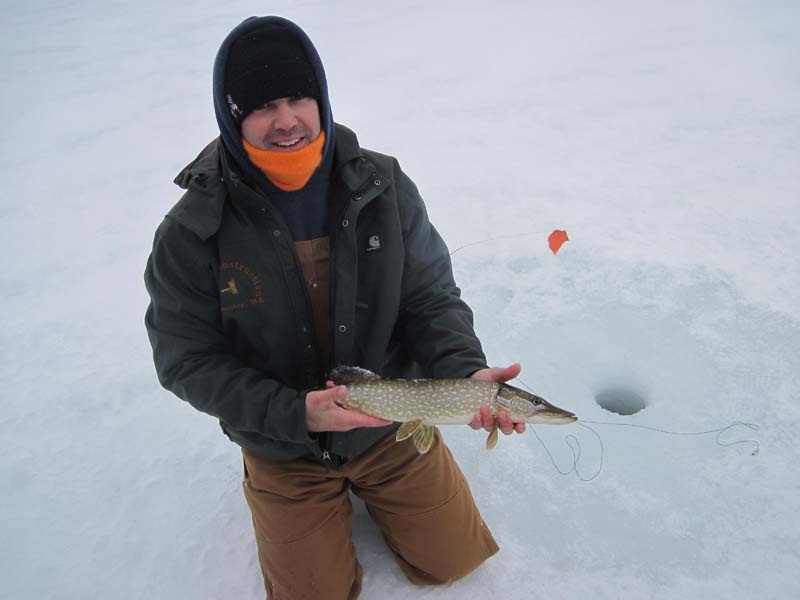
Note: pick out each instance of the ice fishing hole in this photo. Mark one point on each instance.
(621, 400)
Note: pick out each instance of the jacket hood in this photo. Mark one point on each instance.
(230, 131)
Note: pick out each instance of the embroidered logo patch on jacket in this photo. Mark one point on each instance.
(243, 288)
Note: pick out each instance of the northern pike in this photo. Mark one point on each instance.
(419, 404)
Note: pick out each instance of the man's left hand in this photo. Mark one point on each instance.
(484, 419)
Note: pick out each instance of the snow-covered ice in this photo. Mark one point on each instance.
(664, 137)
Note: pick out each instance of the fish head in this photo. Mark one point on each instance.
(524, 406)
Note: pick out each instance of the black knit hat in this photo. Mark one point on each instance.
(264, 65)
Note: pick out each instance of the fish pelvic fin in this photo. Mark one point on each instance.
(491, 441)
(423, 438)
(408, 429)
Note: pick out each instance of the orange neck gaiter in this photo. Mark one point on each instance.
(288, 171)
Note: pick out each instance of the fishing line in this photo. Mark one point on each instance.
(499, 237)
(576, 449)
(575, 446)
(719, 432)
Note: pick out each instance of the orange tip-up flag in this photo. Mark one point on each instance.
(557, 239)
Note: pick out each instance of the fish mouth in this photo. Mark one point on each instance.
(557, 417)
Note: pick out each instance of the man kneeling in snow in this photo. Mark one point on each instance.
(294, 250)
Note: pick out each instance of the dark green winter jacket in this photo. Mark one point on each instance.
(249, 358)
(230, 319)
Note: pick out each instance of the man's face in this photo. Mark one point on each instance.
(283, 125)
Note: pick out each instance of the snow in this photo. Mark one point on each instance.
(663, 137)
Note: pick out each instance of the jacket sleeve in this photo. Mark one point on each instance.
(192, 356)
(436, 323)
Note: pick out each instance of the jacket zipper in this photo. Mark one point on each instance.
(325, 443)
(326, 438)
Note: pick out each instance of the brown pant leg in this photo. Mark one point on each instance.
(302, 519)
(424, 507)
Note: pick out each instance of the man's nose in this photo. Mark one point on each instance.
(285, 117)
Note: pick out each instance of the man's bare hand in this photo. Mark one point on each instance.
(323, 414)
(484, 419)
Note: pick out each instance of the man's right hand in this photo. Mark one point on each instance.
(323, 414)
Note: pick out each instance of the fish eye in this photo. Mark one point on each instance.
(537, 402)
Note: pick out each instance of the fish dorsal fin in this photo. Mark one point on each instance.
(407, 429)
(423, 438)
(344, 375)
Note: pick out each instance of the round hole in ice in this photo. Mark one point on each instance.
(620, 399)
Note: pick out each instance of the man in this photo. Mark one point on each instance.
(292, 251)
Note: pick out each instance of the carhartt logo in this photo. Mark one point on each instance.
(232, 289)
(374, 243)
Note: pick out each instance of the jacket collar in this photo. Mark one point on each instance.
(200, 208)
(210, 177)
(351, 165)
